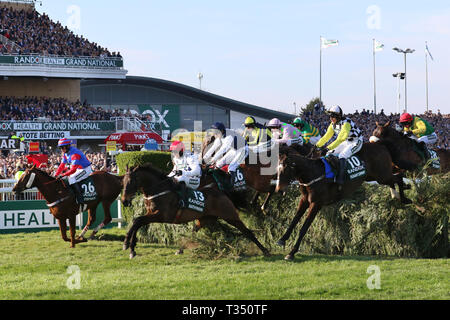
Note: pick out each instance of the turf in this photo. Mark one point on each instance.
(40, 266)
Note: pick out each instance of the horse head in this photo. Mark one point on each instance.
(285, 169)
(26, 181)
(383, 131)
(130, 185)
(206, 143)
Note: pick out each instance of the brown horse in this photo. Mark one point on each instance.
(62, 202)
(161, 202)
(404, 150)
(252, 170)
(317, 191)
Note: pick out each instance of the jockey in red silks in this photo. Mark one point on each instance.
(79, 166)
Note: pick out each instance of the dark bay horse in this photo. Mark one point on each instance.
(403, 150)
(252, 169)
(317, 192)
(162, 205)
(62, 203)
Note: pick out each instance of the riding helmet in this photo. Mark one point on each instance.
(177, 146)
(405, 118)
(274, 123)
(64, 142)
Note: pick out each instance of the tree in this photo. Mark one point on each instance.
(310, 107)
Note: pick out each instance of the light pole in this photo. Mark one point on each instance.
(200, 77)
(404, 53)
(295, 109)
(400, 76)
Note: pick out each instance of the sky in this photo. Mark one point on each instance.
(266, 52)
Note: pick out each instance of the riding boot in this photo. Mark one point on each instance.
(424, 148)
(78, 193)
(182, 192)
(232, 178)
(341, 174)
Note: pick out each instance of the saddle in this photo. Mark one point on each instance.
(83, 190)
(354, 167)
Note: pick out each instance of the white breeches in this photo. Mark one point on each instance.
(347, 148)
(191, 181)
(314, 140)
(430, 139)
(234, 158)
(80, 175)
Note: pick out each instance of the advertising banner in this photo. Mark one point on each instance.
(72, 62)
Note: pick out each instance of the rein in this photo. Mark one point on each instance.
(157, 195)
(312, 182)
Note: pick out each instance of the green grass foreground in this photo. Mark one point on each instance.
(36, 266)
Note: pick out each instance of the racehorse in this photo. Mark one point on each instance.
(162, 205)
(62, 201)
(404, 150)
(261, 183)
(317, 191)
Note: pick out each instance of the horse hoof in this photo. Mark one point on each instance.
(125, 246)
(132, 254)
(289, 257)
(281, 243)
(179, 251)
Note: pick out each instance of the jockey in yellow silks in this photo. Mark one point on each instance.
(348, 142)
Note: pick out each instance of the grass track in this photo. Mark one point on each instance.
(34, 266)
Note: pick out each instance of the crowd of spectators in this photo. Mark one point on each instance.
(32, 108)
(366, 120)
(35, 33)
(12, 162)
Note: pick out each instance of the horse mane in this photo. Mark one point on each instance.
(152, 169)
(45, 173)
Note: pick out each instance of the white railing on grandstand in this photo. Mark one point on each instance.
(6, 42)
(6, 193)
(130, 124)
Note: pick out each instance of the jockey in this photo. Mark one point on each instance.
(80, 166)
(421, 130)
(186, 167)
(229, 149)
(309, 132)
(348, 142)
(255, 133)
(284, 133)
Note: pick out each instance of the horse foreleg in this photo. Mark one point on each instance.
(248, 233)
(254, 199)
(91, 219)
(137, 223)
(401, 188)
(302, 206)
(313, 209)
(106, 220)
(63, 229)
(73, 230)
(263, 207)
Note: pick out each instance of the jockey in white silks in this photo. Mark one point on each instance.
(229, 148)
(186, 167)
(284, 133)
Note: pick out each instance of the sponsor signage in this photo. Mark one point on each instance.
(9, 144)
(58, 126)
(44, 135)
(27, 219)
(72, 62)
